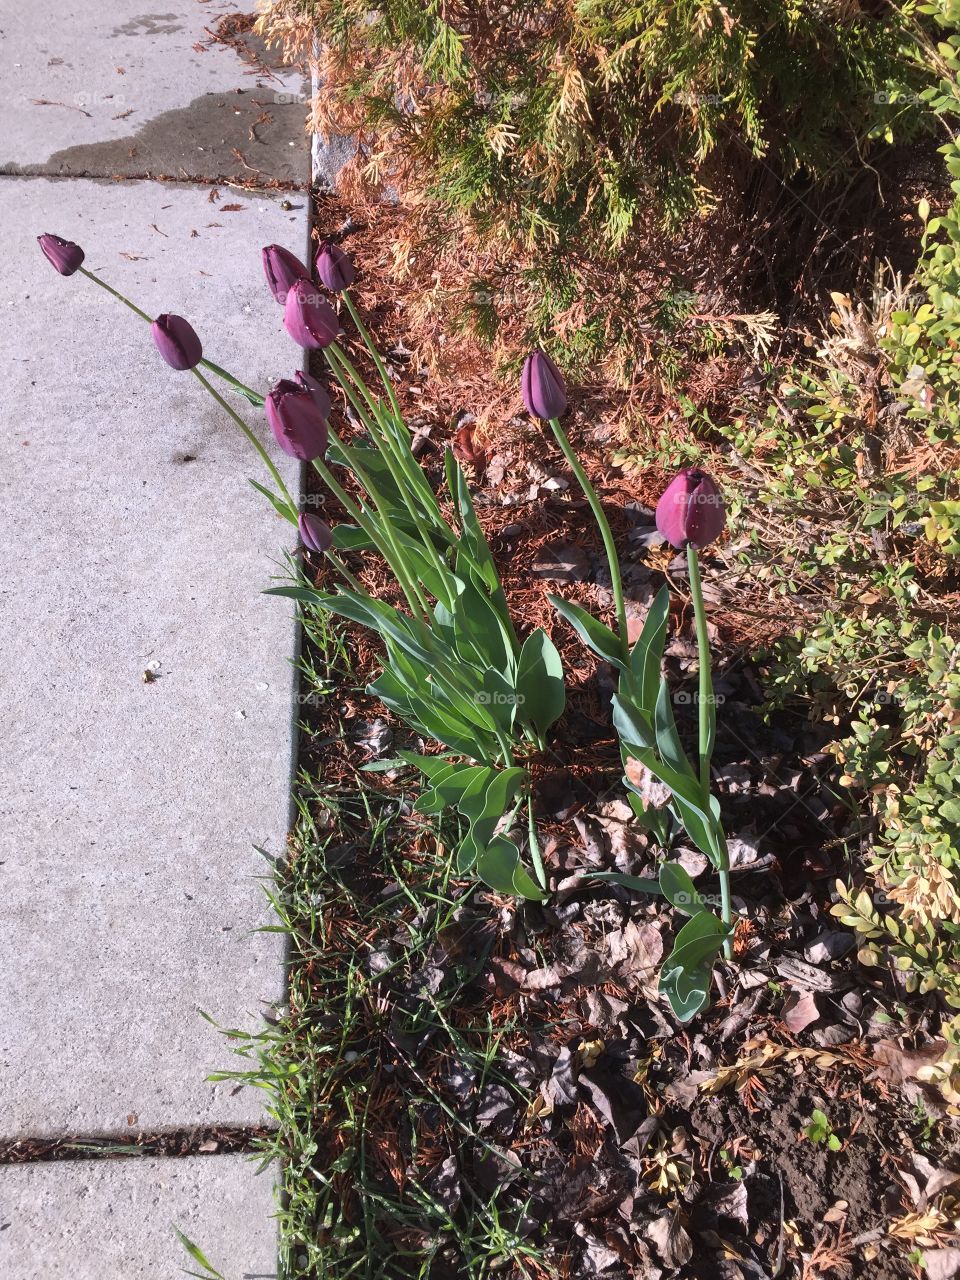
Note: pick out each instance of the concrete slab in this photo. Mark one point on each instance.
(99, 89)
(130, 810)
(111, 1219)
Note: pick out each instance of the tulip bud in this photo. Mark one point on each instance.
(177, 342)
(334, 267)
(281, 269)
(314, 534)
(542, 386)
(309, 319)
(297, 418)
(316, 390)
(691, 512)
(64, 254)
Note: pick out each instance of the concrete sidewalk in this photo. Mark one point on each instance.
(135, 803)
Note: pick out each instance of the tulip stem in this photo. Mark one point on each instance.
(603, 524)
(707, 722)
(267, 460)
(253, 396)
(397, 473)
(369, 528)
(536, 856)
(377, 359)
(345, 573)
(398, 560)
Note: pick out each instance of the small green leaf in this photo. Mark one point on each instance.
(591, 631)
(638, 883)
(499, 866)
(429, 766)
(450, 789)
(668, 740)
(282, 508)
(196, 1254)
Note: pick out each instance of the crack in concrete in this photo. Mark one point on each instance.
(174, 1144)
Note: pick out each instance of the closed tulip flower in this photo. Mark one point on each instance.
(177, 341)
(334, 267)
(316, 390)
(314, 534)
(309, 319)
(542, 386)
(64, 254)
(297, 419)
(690, 513)
(282, 269)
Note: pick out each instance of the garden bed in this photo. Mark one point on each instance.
(483, 1086)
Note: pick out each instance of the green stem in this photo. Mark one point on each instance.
(377, 360)
(397, 455)
(267, 460)
(535, 854)
(370, 529)
(397, 474)
(706, 718)
(345, 573)
(608, 543)
(253, 396)
(397, 560)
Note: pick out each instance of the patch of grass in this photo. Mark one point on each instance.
(361, 1070)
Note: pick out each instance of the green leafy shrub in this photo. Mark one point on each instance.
(895, 686)
(561, 137)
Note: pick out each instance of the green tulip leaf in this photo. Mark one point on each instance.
(479, 635)
(639, 884)
(282, 508)
(350, 537)
(668, 739)
(473, 540)
(646, 656)
(591, 631)
(432, 767)
(541, 694)
(633, 725)
(499, 866)
(451, 788)
(679, 889)
(702, 825)
(686, 973)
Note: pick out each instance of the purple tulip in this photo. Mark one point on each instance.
(316, 390)
(64, 254)
(177, 341)
(281, 269)
(690, 512)
(314, 534)
(542, 386)
(334, 267)
(297, 419)
(308, 318)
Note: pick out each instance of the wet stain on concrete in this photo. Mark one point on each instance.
(150, 24)
(246, 134)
